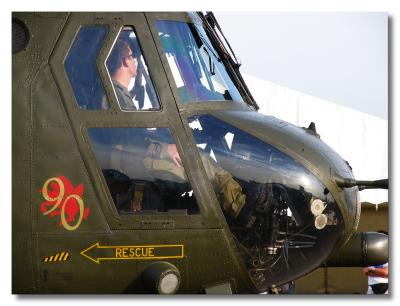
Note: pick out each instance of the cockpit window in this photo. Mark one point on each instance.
(282, 219)
(130, 75)
(197, 69)
(143, 171)
(81, 68)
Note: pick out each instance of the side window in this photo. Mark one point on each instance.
(81, 68)
(130, 75)
(143, 170)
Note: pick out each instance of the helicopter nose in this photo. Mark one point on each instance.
(284, 222)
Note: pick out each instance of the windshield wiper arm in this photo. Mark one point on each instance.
(213, 22)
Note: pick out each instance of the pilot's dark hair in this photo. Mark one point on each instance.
(118, 53)
(383, 232)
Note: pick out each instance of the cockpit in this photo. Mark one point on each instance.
(198, 71)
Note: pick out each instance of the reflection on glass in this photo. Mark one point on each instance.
(140, 168)
(81, 68)
(283, 222)
(198, 71)
(130, 75)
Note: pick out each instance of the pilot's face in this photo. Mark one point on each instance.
(131, 63)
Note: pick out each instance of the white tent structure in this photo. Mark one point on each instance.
(359, 138)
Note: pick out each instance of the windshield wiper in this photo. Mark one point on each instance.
(214, 23)
(232, 65)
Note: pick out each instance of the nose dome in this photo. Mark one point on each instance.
(282, 218)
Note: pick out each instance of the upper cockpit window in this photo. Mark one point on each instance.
(130, 75)
(81, 68)
(198, 71)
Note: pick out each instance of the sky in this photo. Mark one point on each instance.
(337, 56)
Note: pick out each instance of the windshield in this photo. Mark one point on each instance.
(197, 70)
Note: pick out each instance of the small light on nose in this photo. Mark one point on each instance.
(317, 207)
(161, 278)
(168, 283)
(321, 221)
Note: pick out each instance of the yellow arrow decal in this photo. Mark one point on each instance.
(96, 252)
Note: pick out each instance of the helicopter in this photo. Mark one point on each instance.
(141, 165)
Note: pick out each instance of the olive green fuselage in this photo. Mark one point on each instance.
(107, 251)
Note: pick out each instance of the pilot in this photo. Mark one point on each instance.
(122, 66)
